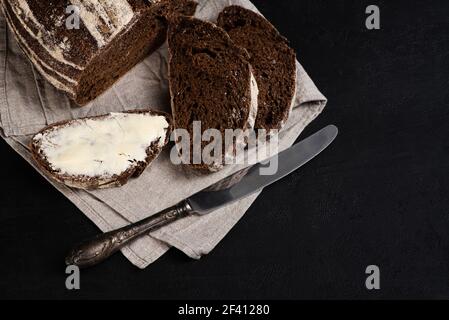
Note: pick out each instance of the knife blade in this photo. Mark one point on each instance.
(98, 249)
(290, 160)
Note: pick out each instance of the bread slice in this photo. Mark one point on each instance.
(103, 151)
(273, 60)
(211, 81)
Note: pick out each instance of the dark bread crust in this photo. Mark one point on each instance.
(100, 67)
(144, 38)
(91, 183)
(209, 80)
(273, 60)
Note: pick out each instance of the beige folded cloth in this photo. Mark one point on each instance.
(28, 103)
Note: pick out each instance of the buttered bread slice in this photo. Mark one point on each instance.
(104, 151)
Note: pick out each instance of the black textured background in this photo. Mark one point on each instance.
(379, 195)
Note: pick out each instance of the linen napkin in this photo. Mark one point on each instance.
(28, 103)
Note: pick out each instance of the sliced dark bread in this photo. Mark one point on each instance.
(272, 59)
(211, 81)
(84, 59)
(103, 151)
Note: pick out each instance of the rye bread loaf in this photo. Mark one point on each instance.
(103, 151)
(273, 60)
(211, 82)
(112, 37)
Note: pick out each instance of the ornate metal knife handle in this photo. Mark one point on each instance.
(98, 249)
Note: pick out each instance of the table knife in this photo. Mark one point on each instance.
(98, 249)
